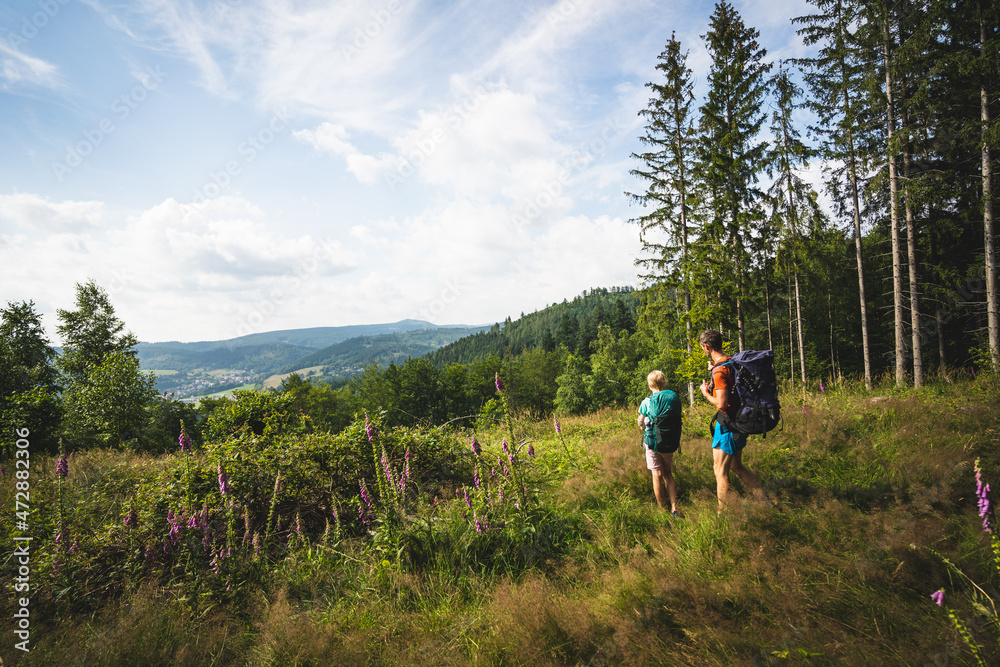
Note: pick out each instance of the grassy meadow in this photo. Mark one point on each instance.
(550, 551)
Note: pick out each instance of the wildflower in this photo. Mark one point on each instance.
(803, 409)
(499, 383)
(475, 478)
(938, 597)
(184, 440)
(364, 494)
(131, 518)
(506, 449)
(298, 523)
(479, 527)
(62, 467)
(370, 429)
(256, 543)
(362, 516)
(476, 447)
(223, 481)
(531, 450)
(983, 494)
(246, 521)
(821, 387)
(466, 494)
(558, 428)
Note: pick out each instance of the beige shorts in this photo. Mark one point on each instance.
(658, 460)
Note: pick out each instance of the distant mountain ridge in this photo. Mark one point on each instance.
(197, 368)
(313, 337)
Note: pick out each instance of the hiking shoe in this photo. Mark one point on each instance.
(677, 515)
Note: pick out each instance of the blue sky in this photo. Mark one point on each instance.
(230, 167)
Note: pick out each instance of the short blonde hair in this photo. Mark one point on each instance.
(657, 380)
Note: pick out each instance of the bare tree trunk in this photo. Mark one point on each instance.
(911, 259)
(942, 360)
(798, 326)
(833, 356)
(791, 333)
(767, 305)
(865, 349)
(993, 320)
(897, 269)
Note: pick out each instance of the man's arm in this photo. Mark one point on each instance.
(719, 398)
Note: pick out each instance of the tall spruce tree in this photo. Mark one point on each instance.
(731, 153)
(666, 228)
(789, 192)
(835, 77)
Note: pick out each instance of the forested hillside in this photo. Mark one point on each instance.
(342, 360)
(571, 325)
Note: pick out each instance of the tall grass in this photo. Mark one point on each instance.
(871, 492)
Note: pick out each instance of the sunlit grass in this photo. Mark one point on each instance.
(839, 572)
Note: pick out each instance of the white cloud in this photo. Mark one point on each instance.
(17, 68)
(32, 211)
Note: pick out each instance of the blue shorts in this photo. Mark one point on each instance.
(729, 442)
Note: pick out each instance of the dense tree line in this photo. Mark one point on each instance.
(94, 393)
(902, 98)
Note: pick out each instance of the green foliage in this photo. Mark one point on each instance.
(110, 405)
(28, 390)
(90, 333)
(249, 413)
(573, 396)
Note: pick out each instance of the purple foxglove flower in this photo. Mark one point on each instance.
(476, 447)
(364, 494)
(184, 440)
(479, 527)
(558, 428)
(466, 494)
(361, 515)
(62, 467)
(131, 518)
(499, 383)
(475, 478)
(938, 597)
(506, 449)
(803, 410)
(821, 387)
(370, 429)
(298, 523)
(531, 450)
(256, 543)
(223, 481)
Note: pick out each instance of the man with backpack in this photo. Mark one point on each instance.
(660, 421)
(727, 446)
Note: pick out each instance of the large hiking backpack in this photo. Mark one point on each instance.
(756, 387)
(664, 434)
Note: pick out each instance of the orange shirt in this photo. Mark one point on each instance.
(723, 378)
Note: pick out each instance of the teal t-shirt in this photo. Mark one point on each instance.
(667, 405)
